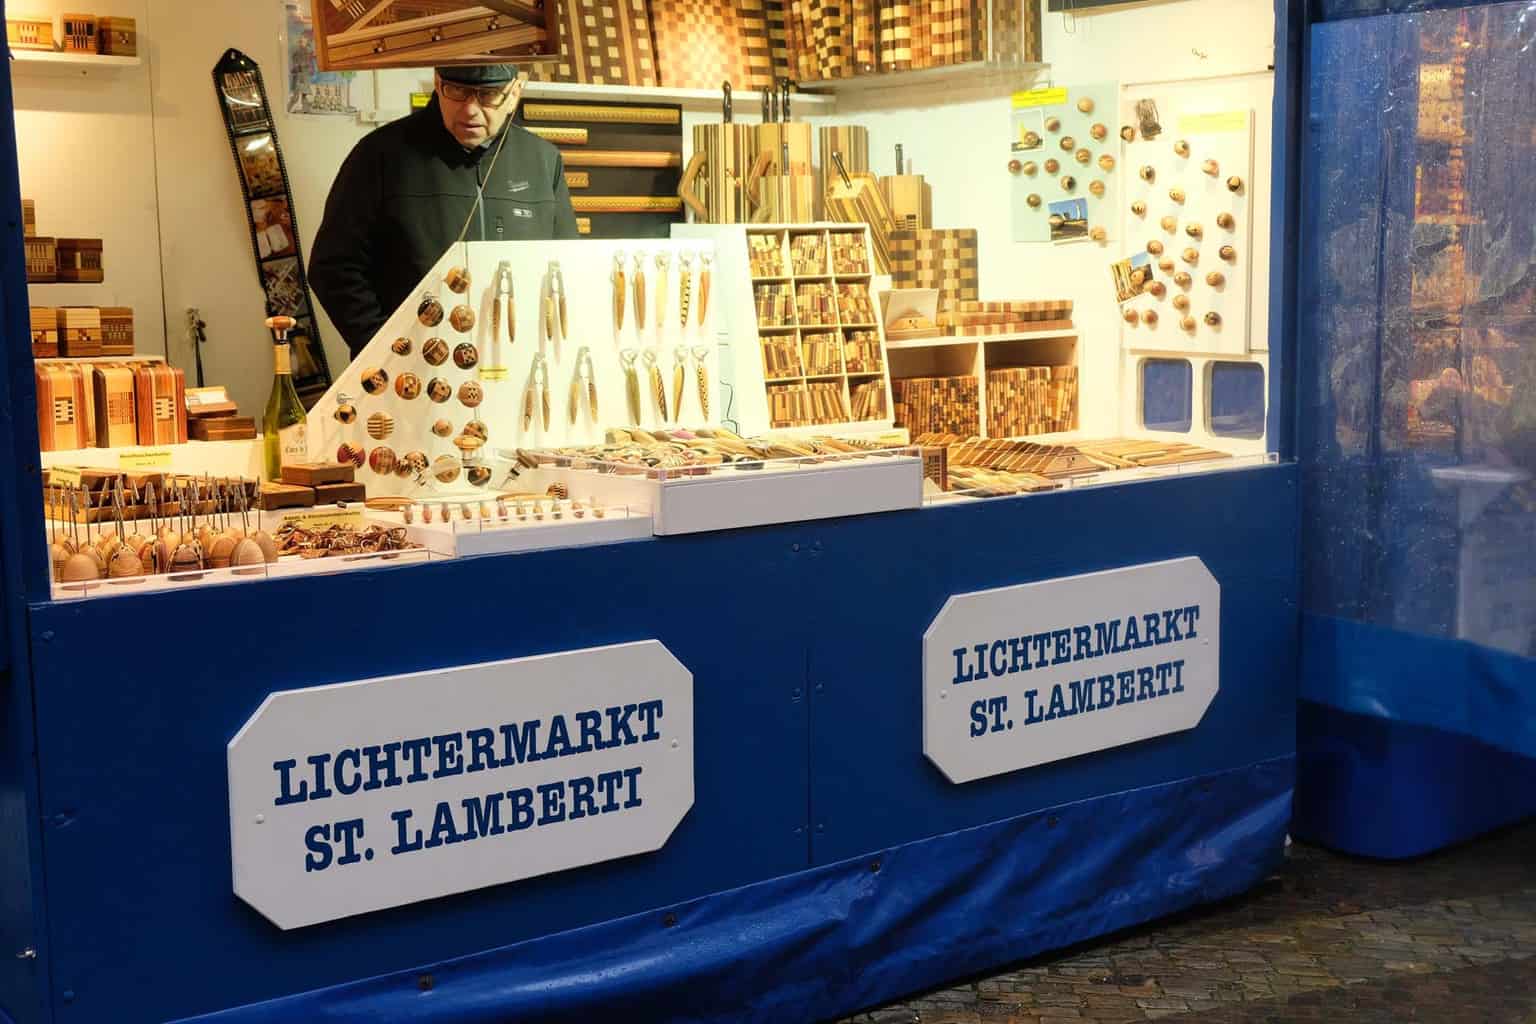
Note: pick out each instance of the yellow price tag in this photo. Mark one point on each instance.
(65, 476)
(1040, 98)
(494, 373)
(144, 458)
(319, 519)
(419, 100)
(1213, 124)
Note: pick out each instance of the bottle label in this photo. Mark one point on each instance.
(283, 359)
(293, 443)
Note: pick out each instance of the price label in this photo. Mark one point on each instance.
(65, 476)
(319, 519)
(494, 373)
(144, 458)
(1039, 98)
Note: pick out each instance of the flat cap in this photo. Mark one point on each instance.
(479, 74)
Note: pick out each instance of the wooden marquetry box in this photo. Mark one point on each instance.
(61, 407)
(313, 474)
(275, 496)
(115, 410)
(116, 331)
(161, 393)
(28, 218)
(118, 37)
(606, 42)
(79, 330)
(42, 260)
(79, 260)
(45, 332)
(29, 33)
(79, 33)
(222, 428)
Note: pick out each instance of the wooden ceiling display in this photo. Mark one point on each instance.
(362, 35)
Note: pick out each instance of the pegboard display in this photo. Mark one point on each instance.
(1188, 208)
(1064, 161)
(602, 334)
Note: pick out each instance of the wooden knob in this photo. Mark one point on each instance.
(281, 325)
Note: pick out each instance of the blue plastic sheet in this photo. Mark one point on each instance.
(1328, 10)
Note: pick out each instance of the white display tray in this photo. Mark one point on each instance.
(492, 538)
(779, 491)
(289, 566)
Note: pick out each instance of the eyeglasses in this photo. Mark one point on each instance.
(489, 98)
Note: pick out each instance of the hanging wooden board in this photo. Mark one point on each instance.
(363, 35)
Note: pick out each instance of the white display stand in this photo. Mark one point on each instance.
(504, 368)
(478, 537)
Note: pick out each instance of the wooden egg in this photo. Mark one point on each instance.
(1085, 105)
(1170, 224)
(1098, 234)
(1068, 143)
(58, 554)
(1234, 184)
(1034, 200)
(442, 428)
(382, 460)
(468, 444)
(247, 553)
(1165, 265)
(1107, 162)
(221, 552)
(1053, 124)
(1177, 195)
(1083, 156)
(1031, 168)
(1194, 231)
(1099, 132)
(268, 546)
(408, 386)
(430, 311)
(401, 347)
(471, 394)
(1212, 168)
(1155, 247)
(1157, 289)
(1226, 221)
(1149, 317)
(187, 558)
(380, 425)
(350, 454)
(375, 381)
(124, 565)
(1068, 183)
(1191, 256)
(457, 280)
(1215, 279)
(479, 475)
(164, 549)
(439, 390)
(1188, 323)
(94, 555)
(463, 319)
(1127, 133)
(415, 462)
(1181, 303)
(1131, 317)
(476, 428)
(1015, 166)
(1181, 148)
(465, 356)
(1052, 165)
(1228, 253)
(435, 351)
(1148, 173)
(1139, 208)
(1096, 187)
(1213, 319)
(1183, 279)
(1031, 140)
(446, 469)
(346, 413)
(79, 568)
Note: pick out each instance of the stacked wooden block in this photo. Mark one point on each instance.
(830, 39)
(945, 405)
(937, 258)
(1027, 400)
(973, 319)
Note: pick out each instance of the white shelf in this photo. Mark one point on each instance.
(977, 74)
(979, 339)
(747, 105)
(82, 62)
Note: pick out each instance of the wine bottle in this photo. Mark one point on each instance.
(284, 427)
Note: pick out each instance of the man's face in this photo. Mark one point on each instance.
(473, 114)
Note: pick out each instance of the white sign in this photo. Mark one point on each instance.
(1027, 675)
(352, 798)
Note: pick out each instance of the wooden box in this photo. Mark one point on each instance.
(275, 496)
(160, 391)
(910, 199)
(79, 33)
(860, 201)
(222, 428)
(29, 33)
(116, 331)
(28, 218)
(118, 37)
(331, 494)
(79, 260)
(61, 407)
(79, 331)
(42, 260)
(312, 474)
(45, 332)
(115, 411)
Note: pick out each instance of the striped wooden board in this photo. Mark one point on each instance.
(605, 42)
(578, 179)
(620, 158)
(597, 113)
(560, 136)
(626, 204)
(852, 141)
(701, 43)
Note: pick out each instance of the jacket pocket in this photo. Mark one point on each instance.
(520, 220)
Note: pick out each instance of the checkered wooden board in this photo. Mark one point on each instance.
(606, 42)
(702, 43)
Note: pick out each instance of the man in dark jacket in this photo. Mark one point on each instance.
(408, 189)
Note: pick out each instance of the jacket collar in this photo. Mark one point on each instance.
(427, 125)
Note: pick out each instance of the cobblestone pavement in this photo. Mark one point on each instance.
(1445, 939)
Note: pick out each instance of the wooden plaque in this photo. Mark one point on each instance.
(361, 35)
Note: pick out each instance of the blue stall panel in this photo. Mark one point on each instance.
(872, 785)
(134, 713)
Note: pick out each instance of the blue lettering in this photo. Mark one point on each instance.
(1144, 686)
(415, 750)
(1163, 672)
(482, 754)
(997, 705)
(317, 842)
(1039, 642)
(1151, 625)
(385, 764)
(609, 782)
(1082, 695)
(552, 800)
(520, 746)
(285, 792)
(630, 775)
(999, 653)
(1132, 635)
(404, 844)
(443, 830)
(347, 833)
(1106, 638)
(482, 816)
(963, 672)
(618, 723)
(1082, 643)
(1127, 687)
(521, 801)
(1178, 672)
(981, 660)
(591, 723)
(1034, 716)
(321, 790)
(1171, 627)
(1020, 648)
(1191, 616)
(449, 755)
(1058, 708)
(559, 742)
(1106, 691)
(1062, 642)
(344, 787)
(650, 711)
(582, 804)
(979, 718)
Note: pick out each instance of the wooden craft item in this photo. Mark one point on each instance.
(162, 403)
(583, 225)
(45, 332)
(911, 200)
(361, 35)
(61, 407)
(311, 474)
(42, 259)
(605, 42)
(222, 428)
(275, 496)
(79, 33)
(700, 43)
(852, 141)
(621, 158)
(113, 406)
(28, 218)
(858, 200)
(331, 494)
(79, 260)
(559, 136)
(116, 331)
(578, 179)
(598, 113)
(79, 331)
(29, 33)
(118, 37)
(627, 204)
(713, 186)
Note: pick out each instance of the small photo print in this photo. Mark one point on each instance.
(1028, 130)
(272, 226)
(258, 163)
(303, 344)
(285, 291)
(1069, 220)
(242, 98)
(1131, 276)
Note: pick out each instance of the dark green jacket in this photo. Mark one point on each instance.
(400, 200)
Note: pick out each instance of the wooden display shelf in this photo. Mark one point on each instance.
(978, 339)
(56, 60)
(688, 99)
(971, 74)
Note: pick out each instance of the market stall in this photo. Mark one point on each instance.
(751, 619)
